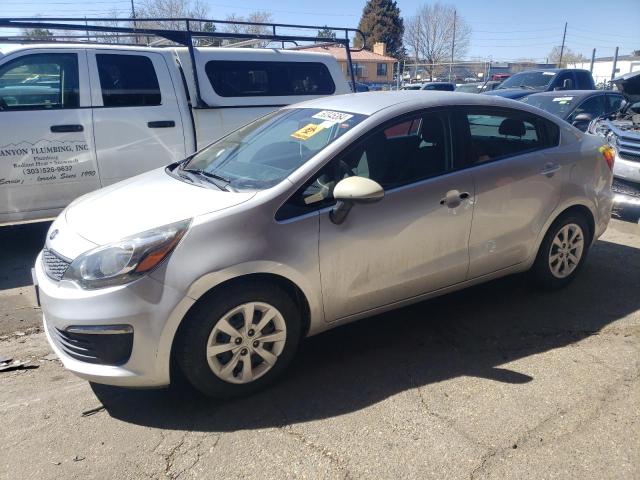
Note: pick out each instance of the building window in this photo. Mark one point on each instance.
(382, 69)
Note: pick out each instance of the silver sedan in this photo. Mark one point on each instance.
(308, 218)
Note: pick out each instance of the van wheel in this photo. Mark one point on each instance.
(562, 253)
(239, 340)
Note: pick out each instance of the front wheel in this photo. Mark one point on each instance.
(562, 253)
(239, 339)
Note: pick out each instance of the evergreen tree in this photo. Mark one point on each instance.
(381, 22)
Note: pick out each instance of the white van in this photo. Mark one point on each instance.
(77, 117)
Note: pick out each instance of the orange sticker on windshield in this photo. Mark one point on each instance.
(308, 131)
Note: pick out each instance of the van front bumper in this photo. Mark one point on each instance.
(116, 336)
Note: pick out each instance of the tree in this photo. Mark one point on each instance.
(381, 22)
(327, 33)
(37, 34)
(568, 56)
(255, 17)
(171, 9)
(435, 34)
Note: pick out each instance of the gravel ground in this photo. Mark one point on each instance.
(498, 381)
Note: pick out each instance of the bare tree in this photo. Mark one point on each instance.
(568, 56)
(255, 17)
(435, 34)
(171, 9)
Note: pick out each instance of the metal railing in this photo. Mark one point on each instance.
(182, 37)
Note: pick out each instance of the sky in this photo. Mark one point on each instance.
(501, 29)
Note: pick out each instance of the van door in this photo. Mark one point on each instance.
(136, 115)
(47, 156)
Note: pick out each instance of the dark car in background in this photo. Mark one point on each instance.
(442, 86)
(578, 107)
(547, 80)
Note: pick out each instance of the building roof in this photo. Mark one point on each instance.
(340, 54)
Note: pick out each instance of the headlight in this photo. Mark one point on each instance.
(124, 261)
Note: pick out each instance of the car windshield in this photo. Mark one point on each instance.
(266, 151)
(532, 80)
(559, 105)
(469, 88)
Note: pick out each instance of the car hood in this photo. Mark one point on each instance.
(629, 86)
(141, 203)
(513, 93)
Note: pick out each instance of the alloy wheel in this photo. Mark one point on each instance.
(566, 250)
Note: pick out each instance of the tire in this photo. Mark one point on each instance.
(216, 335)
(554, 274)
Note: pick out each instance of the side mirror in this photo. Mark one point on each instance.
(582, 118)
(350, 191)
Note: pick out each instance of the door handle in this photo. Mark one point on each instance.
(454, 198)
(66, 128)
(550, 168)
(161, 124)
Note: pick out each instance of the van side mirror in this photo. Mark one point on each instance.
(582, 118)
(350, 191)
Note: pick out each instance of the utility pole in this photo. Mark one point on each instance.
(133, 15)
(593, 59)
(453, 43)
(564, 35)
(615, 64)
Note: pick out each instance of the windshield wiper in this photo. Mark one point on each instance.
(211, 177)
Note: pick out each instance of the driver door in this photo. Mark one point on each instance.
(410, 243)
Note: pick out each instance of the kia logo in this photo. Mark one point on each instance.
(53, 234)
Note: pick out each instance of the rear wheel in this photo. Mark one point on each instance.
(239, 339)
(562, 253)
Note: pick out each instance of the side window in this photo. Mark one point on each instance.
(613, 103)
(503, 134)
(128, 80)
(40, 82)
(399, 154)
(381, 70)
(259, 79)
(584, 80)
(594, 106)
(565, 81)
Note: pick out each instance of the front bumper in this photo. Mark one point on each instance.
(151, 309)
(626, 169)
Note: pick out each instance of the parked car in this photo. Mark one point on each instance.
(524, 83)
(79, 117)
(308, 218)
(441, 86)
(362, 87)
(578, 107)
(477, 87)
(622, 130)
(500, 77)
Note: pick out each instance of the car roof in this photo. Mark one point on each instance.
(400, 101)
(573, 93)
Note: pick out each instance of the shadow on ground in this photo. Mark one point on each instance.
(472, 333)
(20, 247)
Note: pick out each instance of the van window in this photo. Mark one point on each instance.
(269, 79)
(40, 82)
(504, 133)
(128, 80)
(594, 106)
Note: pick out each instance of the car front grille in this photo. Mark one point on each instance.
(628, 147)
(54, 264)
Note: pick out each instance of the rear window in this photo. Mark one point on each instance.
(128, 81)
(269, 79)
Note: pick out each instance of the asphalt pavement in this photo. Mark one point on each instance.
(497, 381)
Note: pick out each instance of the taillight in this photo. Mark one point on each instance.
(609, 155)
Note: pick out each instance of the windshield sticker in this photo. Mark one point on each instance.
(331, 116)
(308, 131)
(548, 73)
(563, 99)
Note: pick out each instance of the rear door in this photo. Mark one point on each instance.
(517, 179)
(46, 136)
(136, 116)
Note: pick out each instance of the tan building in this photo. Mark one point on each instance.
(368, 67)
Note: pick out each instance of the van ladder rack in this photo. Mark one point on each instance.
(183, 37)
